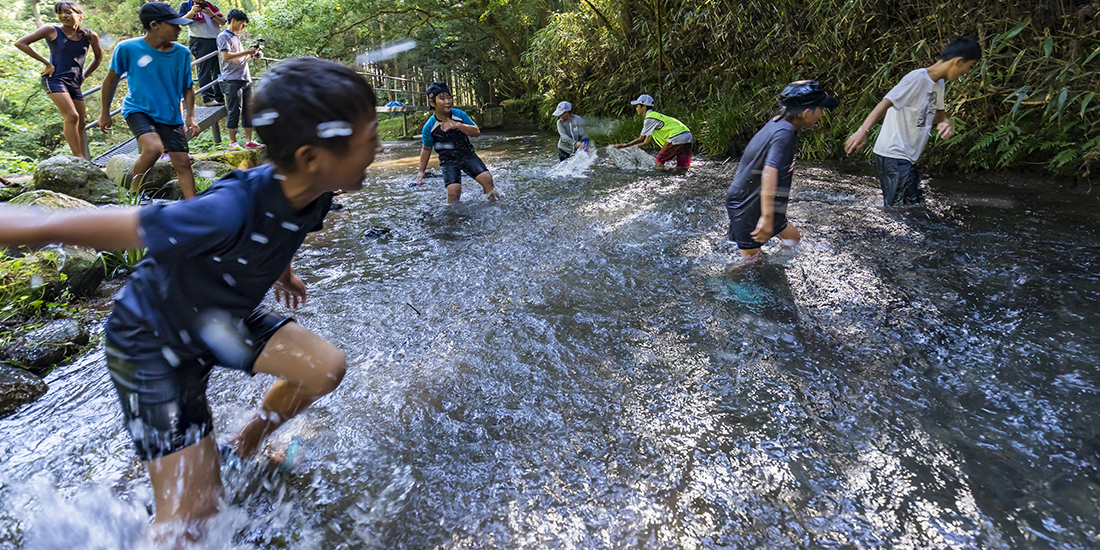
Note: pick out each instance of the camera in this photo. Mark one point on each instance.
(203, 4)
(259, 46)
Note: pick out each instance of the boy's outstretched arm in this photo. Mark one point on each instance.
(100, 228)
(859, 138)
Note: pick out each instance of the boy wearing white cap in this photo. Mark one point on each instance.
(671, 135)
(571, 130)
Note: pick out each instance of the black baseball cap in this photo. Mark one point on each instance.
(438, 87)
(159, 11)
(807, 93)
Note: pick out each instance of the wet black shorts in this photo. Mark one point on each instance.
(63, 85)
(452, 172)
(172, 137)
(163, 396)
(900, 181)
(743, 222)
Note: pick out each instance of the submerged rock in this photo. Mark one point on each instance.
(76, 177)
(42, 350)
(17, 388)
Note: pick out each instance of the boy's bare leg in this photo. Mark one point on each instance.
(186, 177)
(151, 150)
(187, 486)
(454, 193)
(487, 187)
(752, 254)
(308, 367)
(790, 235)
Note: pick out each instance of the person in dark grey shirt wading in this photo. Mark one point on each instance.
(236, 80)
(757, 200)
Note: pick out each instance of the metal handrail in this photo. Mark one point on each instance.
(98, 89)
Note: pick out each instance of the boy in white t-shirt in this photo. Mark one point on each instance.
(911, 109)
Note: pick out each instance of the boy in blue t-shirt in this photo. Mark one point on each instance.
(195, 301)
(159, 72)
(448, 131)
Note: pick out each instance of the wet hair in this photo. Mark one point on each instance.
(309, 101)
(236, 15)
(965, 47)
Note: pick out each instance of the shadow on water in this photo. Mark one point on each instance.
(582, 366)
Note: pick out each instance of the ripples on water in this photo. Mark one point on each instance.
(584, 367)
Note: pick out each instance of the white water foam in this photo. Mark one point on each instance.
(575, 166)
(630, 158)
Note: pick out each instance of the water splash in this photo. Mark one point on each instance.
(388, 50)
(575, 166)
(336, 128)
(630, 158)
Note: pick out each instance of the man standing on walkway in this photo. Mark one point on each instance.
(204, 30)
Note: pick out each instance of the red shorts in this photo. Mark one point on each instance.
(682, 153)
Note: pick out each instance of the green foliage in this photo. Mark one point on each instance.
(390, 126)
(719, 67)
(30, 285)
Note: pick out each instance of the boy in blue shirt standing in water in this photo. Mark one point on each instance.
(757, 199)
(911, 109)
(159, 72)
(195, 301)
(448, 131)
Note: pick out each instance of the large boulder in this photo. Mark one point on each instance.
(83, 267)
(17, 388)
(42, 350)
(121, 168)
(76, 177)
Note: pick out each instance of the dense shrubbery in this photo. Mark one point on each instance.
(721, 66)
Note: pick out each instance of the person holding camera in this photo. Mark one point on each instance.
(236, 81)
(207, 23)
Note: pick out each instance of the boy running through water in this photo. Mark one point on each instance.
(159, 72)
(757, 199)
(195, 301)
(448, 131)
(911, 109)
(671, 135)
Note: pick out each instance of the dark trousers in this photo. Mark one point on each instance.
(209, 69)
(238, 95)
(900, 181)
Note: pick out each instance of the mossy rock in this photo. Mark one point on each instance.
(50, 201)
(237, 159)
(121, 168)
(76, 177)
(80, 270)
(9, 193)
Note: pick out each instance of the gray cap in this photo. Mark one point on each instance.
(563, 107)
(644, 99)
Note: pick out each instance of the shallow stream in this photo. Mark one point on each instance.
(586, 366)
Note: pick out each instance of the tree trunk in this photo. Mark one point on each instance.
(37, 14)
(626, 20)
